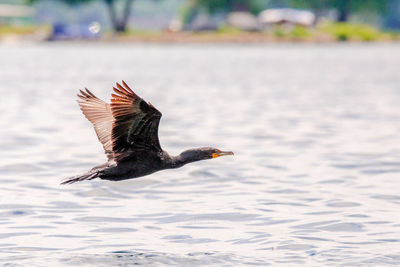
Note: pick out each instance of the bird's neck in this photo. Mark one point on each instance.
(178, 161)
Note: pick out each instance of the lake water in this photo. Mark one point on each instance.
(315, 179)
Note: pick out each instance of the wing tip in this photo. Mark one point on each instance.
(127, 87)
(123, 89)
(85, 94)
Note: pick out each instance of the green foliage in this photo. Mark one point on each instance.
(9, 29)
(141, 33)
(215, 6)
(72, 2)
(23, 29)
(346, 31)
(279, 31)
(300, 32)
(229, 30)
(353, 5)
(296, 32)
(256, 6)
(344, 7)
(367, 33)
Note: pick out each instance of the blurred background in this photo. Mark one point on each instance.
(306, 93)
(219, 20)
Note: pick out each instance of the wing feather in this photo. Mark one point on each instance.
(99, 114)
(135, 127)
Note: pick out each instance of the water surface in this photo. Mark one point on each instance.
(315, 177)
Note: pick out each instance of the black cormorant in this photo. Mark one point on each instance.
(128, 130)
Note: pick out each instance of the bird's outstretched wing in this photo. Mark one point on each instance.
(135, 125)
(99, 114)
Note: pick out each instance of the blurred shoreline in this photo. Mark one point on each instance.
(243, 37)
(199, 21)
(195, 37)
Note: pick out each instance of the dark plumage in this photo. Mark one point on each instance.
(128, 130)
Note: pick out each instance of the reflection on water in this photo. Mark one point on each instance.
(314, 179)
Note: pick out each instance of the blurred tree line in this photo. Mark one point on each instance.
(119, 20)
(344, 8)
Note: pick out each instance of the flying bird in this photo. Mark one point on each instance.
(128, 130)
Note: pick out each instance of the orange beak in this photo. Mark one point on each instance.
(222, 153)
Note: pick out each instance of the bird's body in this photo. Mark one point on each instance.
(128, 131)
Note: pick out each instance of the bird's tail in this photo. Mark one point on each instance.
(82, 177)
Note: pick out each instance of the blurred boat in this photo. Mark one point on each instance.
(287, 17)
(63, 31)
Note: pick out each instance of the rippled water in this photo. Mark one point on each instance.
(314, 181)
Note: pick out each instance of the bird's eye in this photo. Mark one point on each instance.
(217, 151)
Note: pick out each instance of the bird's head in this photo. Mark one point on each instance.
(203, 153)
